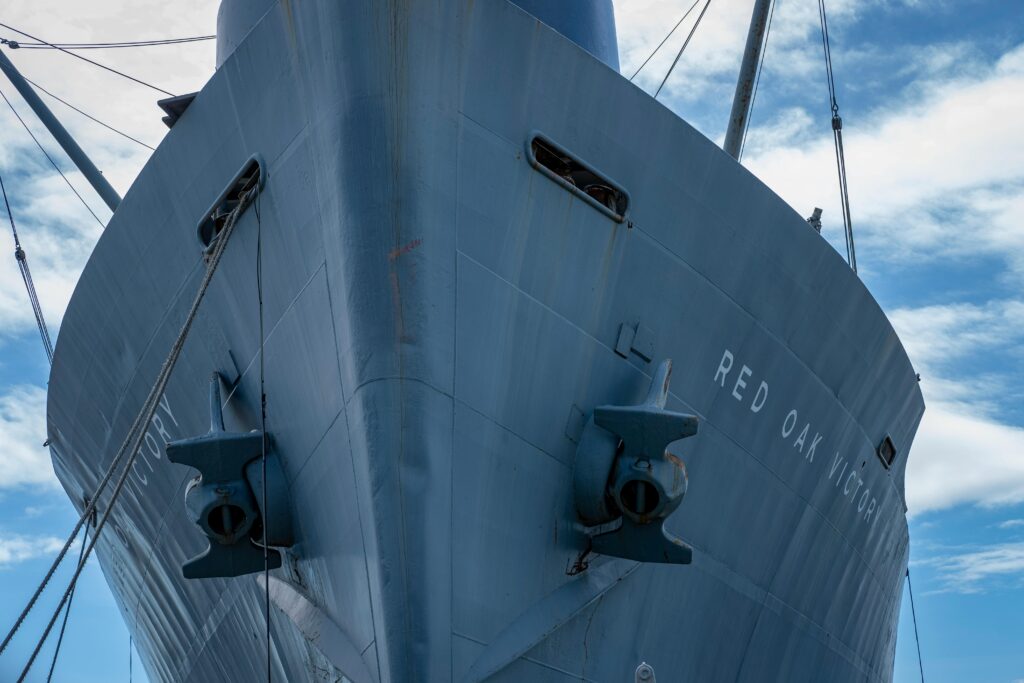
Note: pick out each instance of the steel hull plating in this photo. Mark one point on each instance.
(440, 319)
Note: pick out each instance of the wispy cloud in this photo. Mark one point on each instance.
(57, 232)
(964, 453)
(17, 548)
(936, 173)
(1011, 524)
(25, 461)
(942, 339)
(975, 570)
(964, 458)
(712, 58)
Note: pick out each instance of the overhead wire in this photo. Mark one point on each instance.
(89, 116)
(757, 80)
(67, 612)
(105, 46)
(263, 429)
(837, 138)
(50, 159)
(131, 444)
(913, 612)
(664, 40)
(26, 276)
(680, 53)
(86, 59)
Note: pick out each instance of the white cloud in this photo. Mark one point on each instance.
(940, 339)
(961, 457)
(937, 173)
(963, 453)
(1011, 524)
(973, 570)
(17, 548)
(25, 461)
(941, 334)
(712, 59)
(57, 232)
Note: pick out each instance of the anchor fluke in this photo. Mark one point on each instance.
(222, 499)
(624, 470)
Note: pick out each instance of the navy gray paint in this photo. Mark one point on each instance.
(441, 321)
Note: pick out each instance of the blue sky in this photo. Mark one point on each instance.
(932, 96)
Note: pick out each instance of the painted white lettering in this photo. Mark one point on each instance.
(151, 444)
(759, 398)
(166, 405)
(871, 508)
(159, 424)
(142, 477)
(814, 444)
(835, 466)
(860, 482)
(791, 422)
(740, 383)
(840, 477)
(863, 500)
(802, 439)
(724, 366)
(846, 486)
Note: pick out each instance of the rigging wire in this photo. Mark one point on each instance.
(64, 624)
(132, 442)
(680, 53)
(26, 277)
(837, 137)
(85, 59)
(104, 46)
(263, 427)
(913, 612)
(52, 162)
(757, 80)
(664, 40)
(89, 116)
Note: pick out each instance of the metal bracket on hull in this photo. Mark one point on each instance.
(222, 499)
(623, 469)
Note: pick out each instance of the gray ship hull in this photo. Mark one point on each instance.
(441, 317)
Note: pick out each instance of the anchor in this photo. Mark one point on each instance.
(222, 499)
(624, 471)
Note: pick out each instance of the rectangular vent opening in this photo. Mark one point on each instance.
(578, 177)
(887, 451)
(248, 177)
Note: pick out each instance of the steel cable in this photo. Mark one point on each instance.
(90, 61)
(913, 612)
(837, 140)
(89, 116)
(680, 53)
(103, 46)
(26, 276)
(664, 40)
(52, 163)
(263, 428)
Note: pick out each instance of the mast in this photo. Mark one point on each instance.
(745, 83)
(78, 156)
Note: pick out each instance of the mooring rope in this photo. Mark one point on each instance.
(136, 433)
